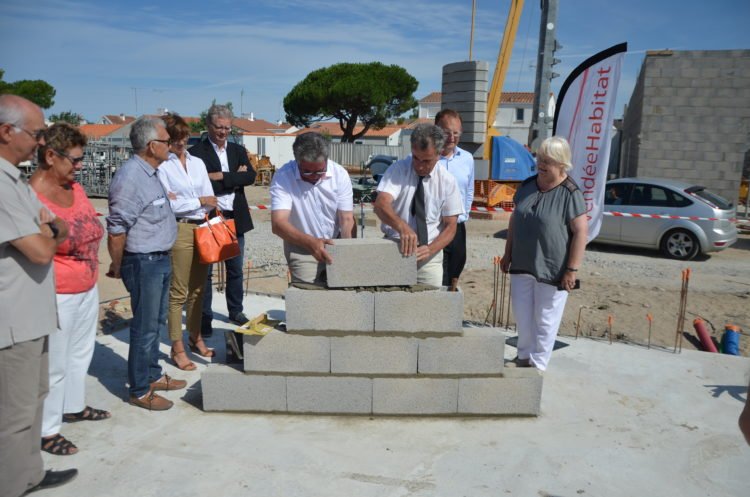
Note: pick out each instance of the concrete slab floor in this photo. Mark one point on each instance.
(617, 420)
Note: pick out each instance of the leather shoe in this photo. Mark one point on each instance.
(151, 401)
(166, 382)
(54, 479)
(239, 318)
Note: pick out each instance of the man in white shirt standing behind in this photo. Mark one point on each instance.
(419, 203)
(460, 164)
(311, 203)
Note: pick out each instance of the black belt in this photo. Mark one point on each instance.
(158, 252)
(188, 220)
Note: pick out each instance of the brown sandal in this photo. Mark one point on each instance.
(199, 347)
(58, 445)
(185, 363)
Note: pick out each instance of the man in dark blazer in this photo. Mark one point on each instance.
(230, 171)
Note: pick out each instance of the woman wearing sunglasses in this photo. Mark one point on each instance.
(76, 265)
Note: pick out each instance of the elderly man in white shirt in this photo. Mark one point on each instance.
(311, 204)
(419, 203)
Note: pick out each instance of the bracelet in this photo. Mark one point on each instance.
(570, 269)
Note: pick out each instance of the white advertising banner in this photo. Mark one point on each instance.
(584, 117)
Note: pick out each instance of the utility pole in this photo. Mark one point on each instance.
(471, 36)
(242, 103)
(540, 120)
(135, 95)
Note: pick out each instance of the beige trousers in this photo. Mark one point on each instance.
(303, 266)
(188, 280)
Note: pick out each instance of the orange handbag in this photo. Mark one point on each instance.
(216, 239)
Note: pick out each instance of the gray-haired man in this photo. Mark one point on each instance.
(419, 203)
(29, 237)
(311, 203)
(142, 230)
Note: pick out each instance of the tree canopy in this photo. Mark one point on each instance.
(67, 116)
(370, 93)
(38, 91)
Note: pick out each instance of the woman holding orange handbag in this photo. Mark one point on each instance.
(186, 182)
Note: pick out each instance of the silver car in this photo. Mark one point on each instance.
(677, 218)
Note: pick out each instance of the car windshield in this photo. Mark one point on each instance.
(709, 197)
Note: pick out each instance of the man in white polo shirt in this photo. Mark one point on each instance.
(311, 203)
(419, 203)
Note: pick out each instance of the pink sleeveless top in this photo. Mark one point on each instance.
(76, 260)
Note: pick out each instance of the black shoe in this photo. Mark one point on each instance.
(239, 318)
(54, 479)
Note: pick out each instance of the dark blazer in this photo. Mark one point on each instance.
(233, 181)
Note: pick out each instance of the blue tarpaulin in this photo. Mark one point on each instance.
(510, 160)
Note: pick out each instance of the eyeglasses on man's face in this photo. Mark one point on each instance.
(225, 129)
(309, 174)
(73, 160)
(165, 142)
(36, 134)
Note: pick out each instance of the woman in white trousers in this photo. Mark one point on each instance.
(544, 250)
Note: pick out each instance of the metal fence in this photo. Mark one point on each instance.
(357, 154)
(101, 161)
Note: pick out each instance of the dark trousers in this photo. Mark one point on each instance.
(234, 290)
(454, 255)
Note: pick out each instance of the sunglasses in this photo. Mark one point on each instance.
(73, 160)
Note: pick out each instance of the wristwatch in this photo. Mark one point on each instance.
(54, 229)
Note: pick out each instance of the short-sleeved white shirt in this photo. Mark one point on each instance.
(313, 207)
(441, 195)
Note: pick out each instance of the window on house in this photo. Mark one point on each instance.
(519, 115)
(261, 146)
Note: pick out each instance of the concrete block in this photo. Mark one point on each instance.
(465, 86)
(434, 311)
(456, 98)
(477, 351)
(369, 262)
(500, 396)
(226, 389)
(329, 310)
(329, 394)
(414, 396)
(374, 355)
(280, 352)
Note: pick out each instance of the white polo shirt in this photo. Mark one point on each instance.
(313, 207)
(441, 196)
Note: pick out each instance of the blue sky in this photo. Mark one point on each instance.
(100, 56)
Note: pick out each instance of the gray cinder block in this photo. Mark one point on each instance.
(434, 311)
(280, 352)
(373, 355)
(477, 351)
(226, 389)
(414, 395)
(329, 394)
(329, 310)
(369, 262)
(519, 395)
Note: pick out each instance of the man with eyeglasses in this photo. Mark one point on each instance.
(230, 171)
(142, 229)
(311, 204)
(419, 204)
(460, 164)
(29, 236)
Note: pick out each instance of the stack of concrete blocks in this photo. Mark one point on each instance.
(364, 352)
(465, 91)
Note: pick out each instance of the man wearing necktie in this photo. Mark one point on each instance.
(419, 203)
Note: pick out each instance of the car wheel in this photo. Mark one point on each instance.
(680, 244)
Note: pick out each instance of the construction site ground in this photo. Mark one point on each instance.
(616, 420)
